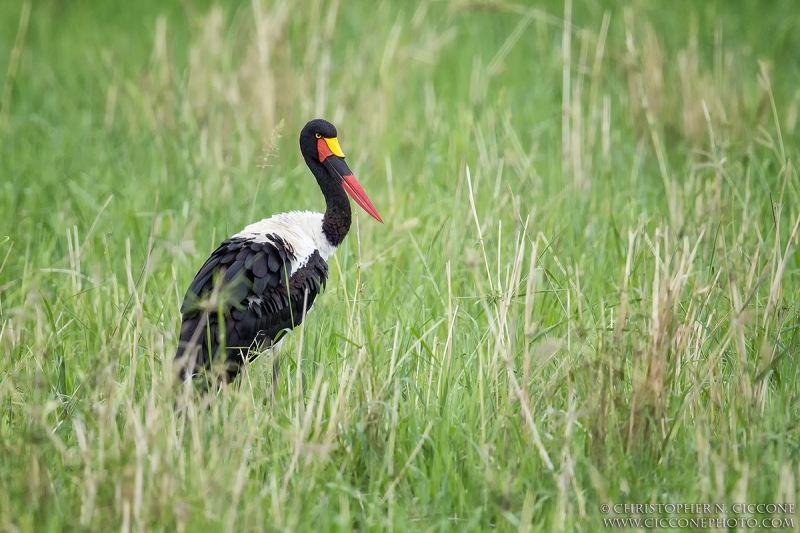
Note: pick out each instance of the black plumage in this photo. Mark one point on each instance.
(244, 284)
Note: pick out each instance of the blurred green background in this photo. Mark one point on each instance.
(585, 291)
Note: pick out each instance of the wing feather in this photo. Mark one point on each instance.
(246, 282)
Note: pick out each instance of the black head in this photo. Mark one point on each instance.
(325, 158)
(312, 132)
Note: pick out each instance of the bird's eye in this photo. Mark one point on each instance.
(317, 135)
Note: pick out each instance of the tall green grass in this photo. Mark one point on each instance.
(586, 290)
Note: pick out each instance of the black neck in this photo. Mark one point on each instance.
(337, 217)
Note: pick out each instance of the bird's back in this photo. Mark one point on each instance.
(254, 286)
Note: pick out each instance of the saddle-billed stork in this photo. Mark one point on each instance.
(262, 281)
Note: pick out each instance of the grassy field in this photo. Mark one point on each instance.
(586, 290)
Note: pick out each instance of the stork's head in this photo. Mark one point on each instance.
(319, 144)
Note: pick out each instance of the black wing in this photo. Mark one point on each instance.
(240, 299)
